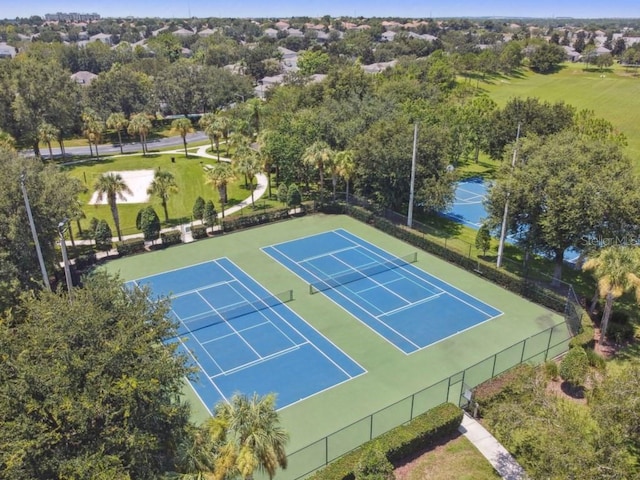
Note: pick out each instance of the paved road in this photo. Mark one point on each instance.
(111, 149)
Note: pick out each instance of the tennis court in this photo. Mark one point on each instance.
(405, 305)
(468, 207)
(245, 339)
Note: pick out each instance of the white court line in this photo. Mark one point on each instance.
(411, 305)
(260, 360)
(413, 274)
(232, 334)
(298, 331)
(202, 369)
(328, 254)
(351, 302)
(230, 326)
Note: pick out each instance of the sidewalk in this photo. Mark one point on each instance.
(492, 450)
(258, 192)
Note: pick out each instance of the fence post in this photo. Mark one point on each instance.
(524, 345)
(546, 354)
(371, 427)
(493, 369)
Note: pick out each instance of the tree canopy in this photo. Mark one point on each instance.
(90, 385)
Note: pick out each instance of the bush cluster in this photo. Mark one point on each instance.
(173, 237)
(198, 232)
(129, 247)
(399, 443)
(248, 221)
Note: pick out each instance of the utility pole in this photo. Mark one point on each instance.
(413, 176)
(505, 216)
(34, 233)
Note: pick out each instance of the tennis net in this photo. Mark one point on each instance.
(360, 273)
(226, 314)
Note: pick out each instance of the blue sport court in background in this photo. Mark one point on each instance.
(408, 307)
(244, 339)
(468, 209)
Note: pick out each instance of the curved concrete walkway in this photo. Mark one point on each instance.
(258, 192)
(491, 449)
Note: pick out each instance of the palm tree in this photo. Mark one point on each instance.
(251, 436)
(112, 186)
(346, 167)
(118, 122)
(195, 455)
(224, 125)
(318, 155)
(215, 134)
(90, 123)
(48, 133)
(617, 271)
(219, 175)
(162, 186)
(205, 122)
(140, 125)
(247, 163)
(183, 127)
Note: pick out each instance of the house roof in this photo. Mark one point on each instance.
(183, 32)
(7, 50)
(379, 67)
(83, 77)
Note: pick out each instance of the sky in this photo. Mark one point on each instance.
(316, 8)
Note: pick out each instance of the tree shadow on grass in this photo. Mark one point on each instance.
(572, 391)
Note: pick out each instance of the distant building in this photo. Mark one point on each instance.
(71, 17)
(7, 51)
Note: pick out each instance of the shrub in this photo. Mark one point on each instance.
(373, 465)
(85, 260)
(621, 332)
(171, 238)
(551, 369)
(294, 198)
(198, 208)
(595, 360)
(128, 247)
(574, 367)
(103, 236)
(619, 317)
(512, 383)
(198, 231)
(149, 223)
(283, 192)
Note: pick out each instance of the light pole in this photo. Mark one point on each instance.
(505, 216)
(34, 233)
(62, 227)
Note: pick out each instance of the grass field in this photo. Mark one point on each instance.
(189, 176)
(392, 376)
(457, 459)
(613, 94)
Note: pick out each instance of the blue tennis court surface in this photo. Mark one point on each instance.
(468, 207)
(245, 339)
(407, 306)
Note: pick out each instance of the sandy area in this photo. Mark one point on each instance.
(137, 180)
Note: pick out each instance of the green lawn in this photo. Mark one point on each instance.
(189, 177)
(457, 459)
(613, 94)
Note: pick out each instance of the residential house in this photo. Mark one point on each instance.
(83, 77)
(7, 51)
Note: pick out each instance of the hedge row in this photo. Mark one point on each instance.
(198, 232)
(422, 432)
(526, 288)
(248, 221)
(128, 247)
(172, 237)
